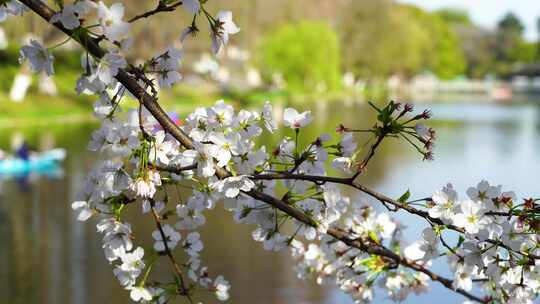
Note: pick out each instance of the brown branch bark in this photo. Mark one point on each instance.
(159, 9)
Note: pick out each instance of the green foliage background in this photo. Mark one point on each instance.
(387, 38)
(444, 57)
(306, 54)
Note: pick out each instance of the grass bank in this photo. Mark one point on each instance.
(67, 106)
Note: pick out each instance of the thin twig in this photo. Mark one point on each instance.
(159, 9)
(157, 218)
(362, 165)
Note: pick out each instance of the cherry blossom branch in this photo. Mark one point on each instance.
(150, 103)
(381, 198)
(371, 248)
(349, 182)
(161, 7)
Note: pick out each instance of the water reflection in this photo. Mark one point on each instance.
(48, 257)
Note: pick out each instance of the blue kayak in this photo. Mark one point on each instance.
(40, 163)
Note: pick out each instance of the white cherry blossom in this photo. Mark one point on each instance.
(162, 148)
(444, 203)
(192, 6)
(11, 7)
(232, 186)
(295, 120)
(471, 217)
(85, 211)
(222, 288)
(267, 117)
(109, 66)
(343, 164)
(484, 193)
(190, 215)
(425, 249)
(72, 13)
(131, 267)
(193, 244)
(39, 57)
(221, 30)
(146, 186)
(111, 21)
(166, 67)
(347, 145)
(422, 131)
(172, 237)
(384, 225)
(138, 294)
(205, 159)
(462, 278)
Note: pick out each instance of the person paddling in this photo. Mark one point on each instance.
(23, 152)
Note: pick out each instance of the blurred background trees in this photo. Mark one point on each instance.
(315, 42)
(307, 54)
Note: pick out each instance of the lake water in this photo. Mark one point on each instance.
(46, 256)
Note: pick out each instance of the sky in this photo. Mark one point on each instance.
(488, 12)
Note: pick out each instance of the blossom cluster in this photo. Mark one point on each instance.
(354, 271)
(129, 144)
(223, 139)
(498, 246)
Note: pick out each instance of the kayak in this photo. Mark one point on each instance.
(42, 162)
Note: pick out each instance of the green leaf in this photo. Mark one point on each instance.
(59, 3)
(403, 198)
(460, 241)
(177, 280)
(374, 106)
(373, 236)
(287, 197)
